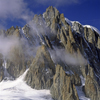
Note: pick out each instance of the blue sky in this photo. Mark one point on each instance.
(19, 12)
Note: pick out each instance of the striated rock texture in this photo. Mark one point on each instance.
(41, 71)
(16, 65)
(91, 88)
(1, 68)
(13, 31)
(1, 71)
(63, 87)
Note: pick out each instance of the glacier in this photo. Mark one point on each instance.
(19, 90)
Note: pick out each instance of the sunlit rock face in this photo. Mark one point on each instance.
(63, 87)
(59, 53)
(41, 71)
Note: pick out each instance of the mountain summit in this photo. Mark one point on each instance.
(61, 55)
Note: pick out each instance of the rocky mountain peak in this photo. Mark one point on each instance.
(52, 10)
(67, 60)
(51, 14)
(42, 68)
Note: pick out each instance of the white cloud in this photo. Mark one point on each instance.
(7, 43)
(10, 7)
(18, 9)
(59, 55)
(14, 9)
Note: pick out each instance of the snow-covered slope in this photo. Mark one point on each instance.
(88, 26)
(18, 90)
(93, 28)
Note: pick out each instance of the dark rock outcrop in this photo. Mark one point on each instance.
(1, 73)
(75, 79)
(92, 89)
(89, 35)
(16, 64)
(1, 68)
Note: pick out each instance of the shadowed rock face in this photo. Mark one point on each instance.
(1, 69)
(41, 71)
(49, 31)
(17, 61)
(1, 73)
(91, 89)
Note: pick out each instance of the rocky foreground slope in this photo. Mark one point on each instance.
(59, 54)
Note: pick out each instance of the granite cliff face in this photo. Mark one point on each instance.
(41, 71)
(63, 87)
(59, 54)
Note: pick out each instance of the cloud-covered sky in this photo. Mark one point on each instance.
(12, 10)
(19, 12)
